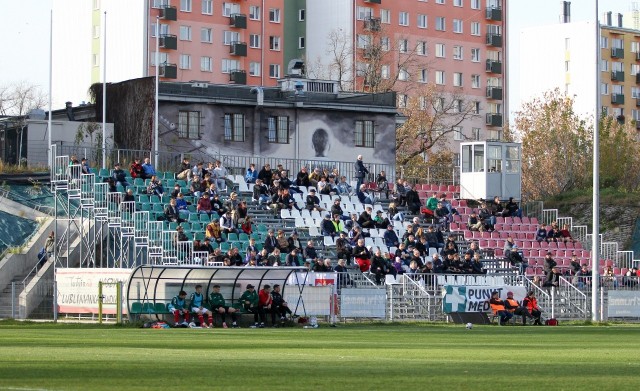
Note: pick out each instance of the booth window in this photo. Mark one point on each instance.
(494, 158)
(513, 159)
(478, 158)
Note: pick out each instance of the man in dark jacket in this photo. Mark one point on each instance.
(413, 200)
(278, 305)
(366, 220)
(390, 237)
(326, 226)
(361, 171)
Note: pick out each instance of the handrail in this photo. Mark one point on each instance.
(406, 279)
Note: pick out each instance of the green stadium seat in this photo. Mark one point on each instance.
(225, 246)
(148, 308)
(104, 173)
(166, 197)
(144, 198)
(262, 228)
(169, 175)
(243, 237)
(136, 308)
(196, 227)
(232, 237)
(205, 219)
(199, 236)
(154, 199)
(182, 182)
(139, 182)
(194, 217)
(158, 207)
(259, 246)
(169, 183)
(192, 209)
(161, 308)
(145, 207)
(172, 226)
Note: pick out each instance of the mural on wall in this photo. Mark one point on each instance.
(324, 135)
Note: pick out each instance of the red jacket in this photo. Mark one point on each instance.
(531, 303)
(264, 298)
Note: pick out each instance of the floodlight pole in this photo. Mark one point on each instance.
(104, 92)
(49, 149)
(595, 239)
(155, 118)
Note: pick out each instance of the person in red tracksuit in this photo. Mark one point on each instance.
(264, 303)
(531, 304)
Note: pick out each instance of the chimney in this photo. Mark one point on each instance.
(608, 18)
(619, 20)
(69, 108)
(566, 12)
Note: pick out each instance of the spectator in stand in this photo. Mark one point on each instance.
(274, 257)
(171, 213)
(566, 234)
(217, 205)
(415, 257)
(343, 276)
(313, 202)
(204, 205)
(450, 249)
(343, 188)
(434, 238)
(412, 200)
(279, 307)
(496, 207)
(382, 184)
(515, 308)
(514, 255)
(270, 241)
(390, 237)
(281, 241)
(182, 237)
(196, 186)
(196, 303)
(512, 209)
(178, 307)
(181, 204)
(466, 264)
(476, 265)
(554, 234)
(414, 269)
(553, 278)
(394, 213)
(474, 223)
(326, 226)
(364, 196)
(302, 179)
(431, 205)
(397, 264)
(128, 196)
(184, 172)
(541, 233)
(422, 245)
(220, 176)
(251, 174)
(499, 309)
(119, 176)
(176, 190)
(630, 278)
(443, 215)
(549, 263)
(232, 202)
(582, 279)
(362, 256)
(84, 166)
(380, 221)
(310, 251)
(487, 218)
(356, 234)
(226, 223)
(438, 266)
(361, 171)
(292, 259)
(403, 254)
(135, 169)
(241, 213)
(314, 177)
(294, 241)
(198, 170)
(609, 278)
(324, 187)
(473, 248)
(531, 304)
(338, 225)
(265, 174)
(366, 220)
(260, 193)
(336, 209)
(218, 305)
(575, 264)
(247, 225)
(399, 192)
(206, 246)
(344, 250)
(381, 266)
(352, 222)
(211, 191)
(148, 169)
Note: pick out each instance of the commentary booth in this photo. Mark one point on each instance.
(151, 288)
(489, 169)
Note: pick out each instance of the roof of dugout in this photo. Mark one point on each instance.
(159, 284)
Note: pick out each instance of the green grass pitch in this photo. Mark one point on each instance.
(353, 357)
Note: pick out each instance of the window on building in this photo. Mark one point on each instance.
(440, 50)
(234, 127)
(302, 14)
(254, 12)
(457, 133)
(274, 43)
(185, 5)
(254, 41)
(207, 7)
(229, 65)
(164, 29)
(439, 1)
(96, 4)
(274, 15)
(274, 70)
(475, 81)
(457, 26)
(475, 4)
(617, 66)
(422, 103)
(385, 70)
(254, 69)
(475, 54)
(384, 43)
(95, 60)
(364, 134)
(635, 92)
(189, 124)
(96, 31)
(403, 75)
(438, 105)
(457, 79)
(403, 18)
(617, 43)
(423, 75)
(364, 13)
(229, 9)
(422, 21)
(475, 28)
(163, 58)
(278, 127)
(457, 3)
(185, 61)
(385, 16)
(363, 41)
(361, 69)
(206, 64)
(635, 69)
(206, 35)
(301, 42)
(458, 52)
(185, 33)
(456, 106)
(403, 45)
(475, 109)
(604, 42)
(402, 101)
(635, 46)
(230, 36)
(440, 77)
(475, 134)
(441, 24)
(421, 48)
(617, 89)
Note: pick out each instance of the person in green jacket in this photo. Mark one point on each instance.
(179, 307)
(218, 304)
(432, 202)
(249, 300)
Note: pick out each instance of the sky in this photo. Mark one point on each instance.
(25, 32)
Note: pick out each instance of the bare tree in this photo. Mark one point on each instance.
(340, 54)
(20, 98)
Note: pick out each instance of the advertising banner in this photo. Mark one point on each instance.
(476, 298)
(78, 289)
(624, 304)
(363, 303)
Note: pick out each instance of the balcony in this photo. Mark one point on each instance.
(238, 49)
(637, 78)
(494, 13)
(168, 71)
(168, 41)
(494, 119)
(617, 76)
(617, 53)
(373, 1)
(372, 24)
(617, 99)
(638, 56)
(494, 93)
(238, 77)
(168, 12)
(494, 66)
(238, 21)
(494, 40)
(621, 120)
